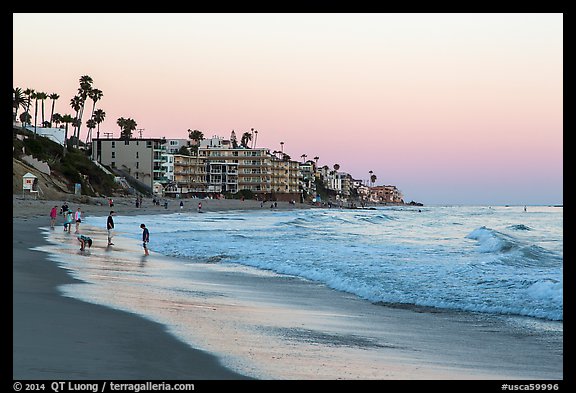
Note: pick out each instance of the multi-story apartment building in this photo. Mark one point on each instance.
(385, 194)
(220, 168)
(141, 158)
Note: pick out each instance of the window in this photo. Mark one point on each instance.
(137, 165)
(126, 142)
(137, 155)
(113, 154)
(113, 144)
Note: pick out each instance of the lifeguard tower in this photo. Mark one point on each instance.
(30, 184)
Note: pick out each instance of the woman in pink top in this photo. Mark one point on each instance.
(53, 214)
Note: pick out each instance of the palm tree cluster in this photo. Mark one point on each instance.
(24, 98)
(127, 127)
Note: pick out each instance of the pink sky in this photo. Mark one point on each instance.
(450, 108)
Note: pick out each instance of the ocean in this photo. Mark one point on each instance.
(495, 261)
(498, 260)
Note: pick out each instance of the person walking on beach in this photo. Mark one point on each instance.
(145, 238)
(181, 205)
(110, 227)
(78, 218)
(199, 207)
(64, 208)
(53, 214)
(84, 240)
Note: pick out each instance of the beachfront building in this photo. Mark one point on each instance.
(308, 177)
(141, 159)
(385, 194)
(188, 177)
(219, 168)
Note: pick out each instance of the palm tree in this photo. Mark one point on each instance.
(42, 96)
(76, 104)
(316, 161)
(95, 95)
(19, 100)
(91, 124)
(121, 122)
(127, 127)
(99, 116)
(197, 136)
(56, 118)
(29, 94)
(35, 98)
(246, 137)
(303, 156)
(83, 92)
(53, 97)
(255, 134)
(66, 119)
(373, 179)
(370, 172)
(282, 147)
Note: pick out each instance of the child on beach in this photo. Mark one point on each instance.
(67, 221)
(53, 214)
(78, 218)
(145, 238)
(84, 240)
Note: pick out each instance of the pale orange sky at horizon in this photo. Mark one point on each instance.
(450, 108)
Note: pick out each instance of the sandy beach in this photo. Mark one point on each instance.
(246, 324)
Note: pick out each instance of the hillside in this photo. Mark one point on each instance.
(51, 186)
(64, 171)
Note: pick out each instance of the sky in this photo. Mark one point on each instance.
(455, 108)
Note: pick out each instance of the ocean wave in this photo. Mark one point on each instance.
(512, 251)
(376, 219)
(491, 240)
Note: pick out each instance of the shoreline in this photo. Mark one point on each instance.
(330, 317)
(51, 342)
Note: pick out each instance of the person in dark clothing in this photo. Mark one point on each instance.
(145, 238)
(110, 228)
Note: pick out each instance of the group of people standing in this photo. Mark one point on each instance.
(70, 218)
